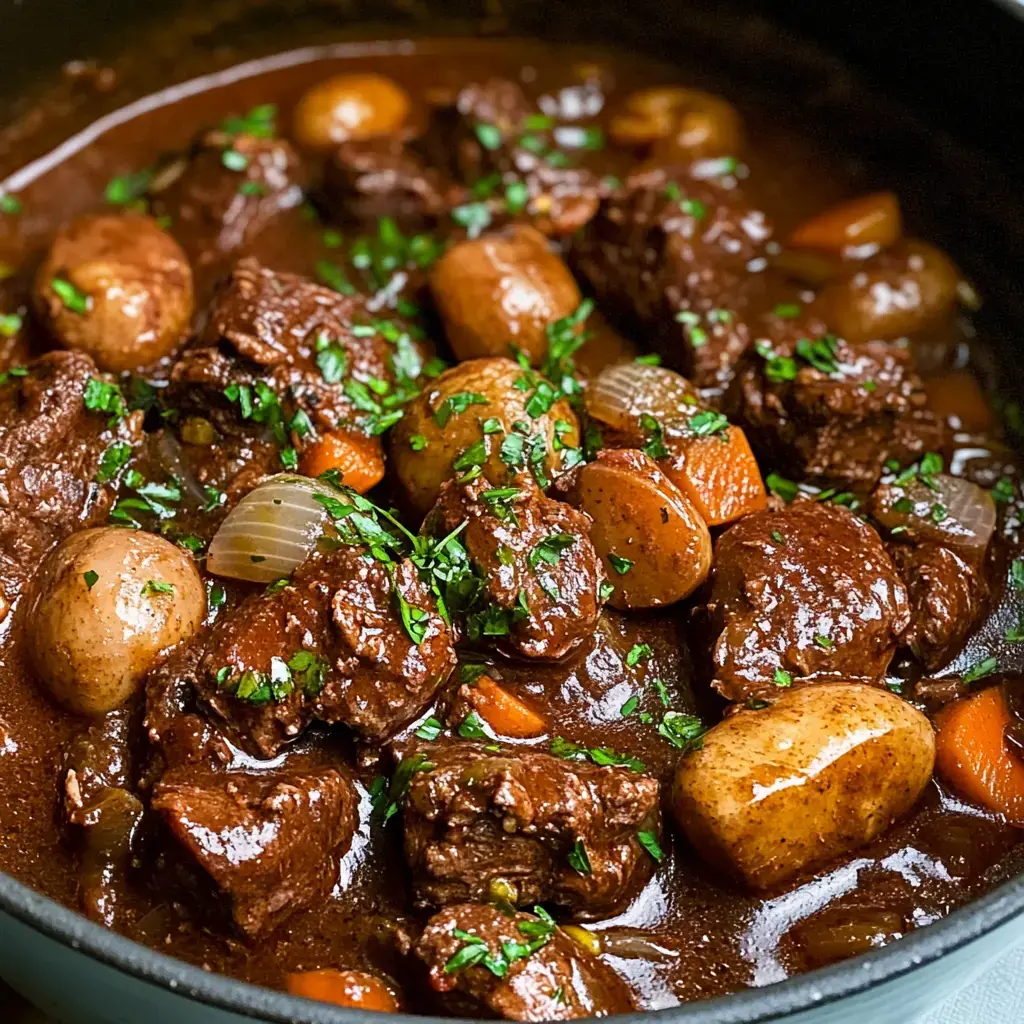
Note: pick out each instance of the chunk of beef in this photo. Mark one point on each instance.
(101, 808)
(671, 255)
(330, 645)
(540, 570)
(270, 842)
(557, 981)
(382, 177)
(533, 820)
(275, 346)
(487, 132)
(947, 595)
(805, 592)
(218, 203)
(51, 450)
(831, 411)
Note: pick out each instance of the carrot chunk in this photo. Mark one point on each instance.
(359, 459)
(503, 711)
(972, 756)
(719, 475)
(867, 220)
(356, 989)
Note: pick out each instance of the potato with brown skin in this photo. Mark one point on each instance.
(106, 602)
(780, 791)
(500, 290)
(349, 107)
(447, 419)
(903, 290)
(655, 548)
(117, 287)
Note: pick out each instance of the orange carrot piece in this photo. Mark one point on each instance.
(356, 989)
(359, 459)
(719, 475)
(503, 711)
(971, 754)
(867, 220)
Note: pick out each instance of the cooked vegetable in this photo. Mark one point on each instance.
(345, 107)
(502, 290)
(913, 288)
(838, 934)
(778, 791)
(105, 603)
(867, 220)
(956, 398)
(719, 475)
(947, 509)
(117, 287)
(973, 757)
(684, 123)
(356, 989)
(641, 516)
(269, 533)
(706, 458)
(486, 413)
(503, 711)
(359, 459)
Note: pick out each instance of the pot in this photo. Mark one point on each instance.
(946, 99)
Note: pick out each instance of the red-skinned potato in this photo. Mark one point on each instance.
(656, 549)
(106, 602)
(502, 289)
(777, 792)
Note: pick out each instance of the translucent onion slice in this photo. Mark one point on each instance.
(956, 512)
(621, 395)
(271, 530)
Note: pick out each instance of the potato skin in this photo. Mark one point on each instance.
(422, 472)
(640, 515)
(345, 107)
(780, 791)
(502, 289)
(92, 645)
(139, 284)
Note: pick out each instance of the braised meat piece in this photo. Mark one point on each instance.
(269, 841)
(947, 595)
(59, 418)
(542, 576)
(819, 408)
(225, 191)
(383, 177)
(669, 255)
(805, 592)
(552, 829)
(492, 130)
(519, 967)
(270, 369)
(329, 645)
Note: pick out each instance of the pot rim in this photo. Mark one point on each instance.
(751, 1006)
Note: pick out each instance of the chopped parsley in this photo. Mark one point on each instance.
(457, 404)
(619, 564)
(151, 588)
(603, 756)
(579, 861)
(638, 653)
(113, 459)
(630, 706)
(782, 678)
(90, 577)
(649, 841)
(101, 396)
(10, 324)
(682, 730)
(707, 423)
(429, 729)
(472, 727)
(385, 797)
(981, 669)
(781, 487)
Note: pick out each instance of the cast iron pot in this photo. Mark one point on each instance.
(940, 121)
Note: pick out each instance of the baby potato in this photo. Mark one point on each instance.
(778, 792)
(502, 289)
(656, 549)
(105, 603)
(466, 418)
(904, 290)
(117, 287)
(347, 107)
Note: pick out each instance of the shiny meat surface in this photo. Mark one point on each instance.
(432, 763)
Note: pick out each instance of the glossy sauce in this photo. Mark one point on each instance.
(699, 935)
